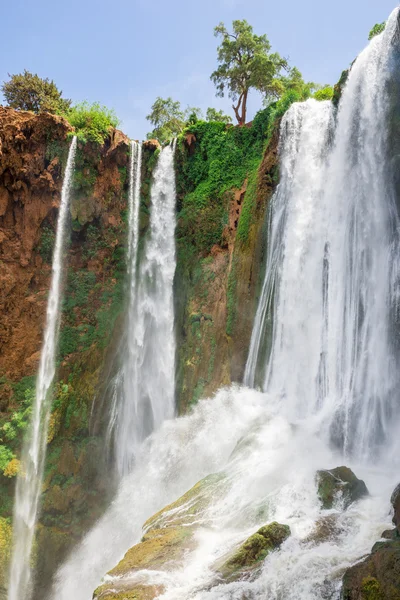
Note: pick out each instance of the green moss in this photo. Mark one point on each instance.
(249, 203)
(231, 298)
(371, 589)
(256, 548)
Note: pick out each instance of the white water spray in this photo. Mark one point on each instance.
(29, 481)
(145, 390)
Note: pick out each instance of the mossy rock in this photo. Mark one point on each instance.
(255, 549)
(167, 536)
(141, 592)
(339, 484)
(377, 577)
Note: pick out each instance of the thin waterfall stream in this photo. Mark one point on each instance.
(29, 482)
(322, 352)
(144, 395)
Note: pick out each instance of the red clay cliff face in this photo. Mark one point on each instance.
(30, 189)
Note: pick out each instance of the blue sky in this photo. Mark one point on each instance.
(125, 53)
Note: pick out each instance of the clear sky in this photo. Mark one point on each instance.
(125, 53)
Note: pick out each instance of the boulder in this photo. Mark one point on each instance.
(339, 484)
(254, 550)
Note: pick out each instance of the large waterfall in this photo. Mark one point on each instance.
(29, 482)
(331, 286)
(323, 351)
(145, 388)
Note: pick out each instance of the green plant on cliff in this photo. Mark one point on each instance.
(376, 30)
(46, 244)
(245, 63)
(325, 93)
(28, 91)
(92, 122)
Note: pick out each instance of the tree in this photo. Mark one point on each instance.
(245, 62)
(167, 119)
(294, 82)
(217, 115)
(26, 91)
(376, 30)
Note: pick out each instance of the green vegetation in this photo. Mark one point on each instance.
(325, 93)
(26, 91)
(92, 122)
(217, 115)
(169, 119)
(46, 244)
(245, 63)
(376, 30)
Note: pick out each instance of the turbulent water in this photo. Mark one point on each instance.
(324, 350)
(29, 482)
(145, 390)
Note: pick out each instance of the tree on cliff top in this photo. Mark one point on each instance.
(245, 62)
(26, 91)
(167, 119)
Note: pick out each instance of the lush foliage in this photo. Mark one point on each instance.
(92, 122)
(46, 244)
(325, 93)
(167, 119)
(376, 30)
(245, 62)
(217, 115)
(28, 91)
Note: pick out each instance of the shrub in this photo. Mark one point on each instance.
(92, 122)
(376, 30)
(6, 456)
(326, 93)
(47, 243)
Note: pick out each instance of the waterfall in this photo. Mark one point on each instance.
(331, 281)
(145, 388)
(324, 348)
(29, 481)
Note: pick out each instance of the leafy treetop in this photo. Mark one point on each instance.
(376, 30)
(169, 119)
(26, 91)
(245, 62)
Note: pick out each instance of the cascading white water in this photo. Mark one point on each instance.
(332, 266)
(331, 290)
(145, 388)
(29, 480)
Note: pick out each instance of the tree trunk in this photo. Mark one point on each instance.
(244, 107)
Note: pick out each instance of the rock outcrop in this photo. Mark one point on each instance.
(377, 577)
(339, 485)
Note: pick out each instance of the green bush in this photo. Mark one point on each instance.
(46, 244)
(92, 122)
(6, 455)
(376, 30)
(326, 93)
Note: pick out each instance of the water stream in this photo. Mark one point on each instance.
(145, 391)
(29, 482)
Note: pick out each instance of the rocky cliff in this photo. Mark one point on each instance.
(33, 152)
(220, 255)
